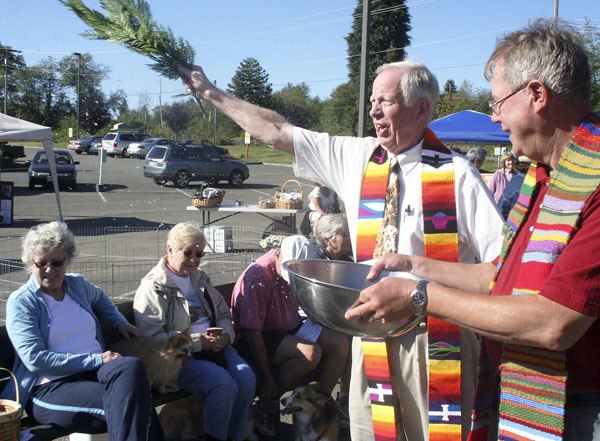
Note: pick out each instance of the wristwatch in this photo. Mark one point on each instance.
(418, 297)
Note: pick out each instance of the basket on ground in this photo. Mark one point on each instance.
(10, 414)
(290, 196)
(208, 197)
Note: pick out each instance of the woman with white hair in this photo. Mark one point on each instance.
(65, 375)
(176, 296)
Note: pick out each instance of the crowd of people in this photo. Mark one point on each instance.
(505, 345)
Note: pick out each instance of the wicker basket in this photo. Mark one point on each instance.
(286, 203)
(201, 202)
(10, 414)
(266, 203)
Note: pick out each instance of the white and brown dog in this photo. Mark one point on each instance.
(163, 359)
(314, 413)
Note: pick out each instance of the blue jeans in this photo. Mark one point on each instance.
(115, 398)
(582, 417)
(227, 394)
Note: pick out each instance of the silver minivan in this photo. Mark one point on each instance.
(116, 143)
(183, 164)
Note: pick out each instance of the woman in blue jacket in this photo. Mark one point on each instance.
(66, 376)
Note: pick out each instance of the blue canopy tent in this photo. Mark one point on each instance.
(470, 127)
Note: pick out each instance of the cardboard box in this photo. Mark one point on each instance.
(218, 239)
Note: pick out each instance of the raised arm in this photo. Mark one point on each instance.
(264, 124)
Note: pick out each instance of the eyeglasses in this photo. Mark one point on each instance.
(54, 264)
(188, 253)
(344, 234)
(495, 105)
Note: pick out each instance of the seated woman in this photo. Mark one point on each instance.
(176, 295)
(65, 375)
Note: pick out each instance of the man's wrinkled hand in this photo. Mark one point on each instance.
(390, 262)
(386, 300)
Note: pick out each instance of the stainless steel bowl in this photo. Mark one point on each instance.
(325, 289)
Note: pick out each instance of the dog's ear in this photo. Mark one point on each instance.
(329, 413)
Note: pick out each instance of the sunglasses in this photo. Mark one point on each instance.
(188, 253)
(53, 264)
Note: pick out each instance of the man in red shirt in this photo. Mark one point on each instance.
(537, 305)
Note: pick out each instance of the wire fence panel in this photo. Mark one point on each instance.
(117, 258)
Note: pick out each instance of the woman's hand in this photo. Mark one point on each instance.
(128, 330)
(109, 356)
(215, 343)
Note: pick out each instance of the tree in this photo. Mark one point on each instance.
(388, 38)
(296, 105)
(176, 117)
(592, 47)
(12, 62)
(40, 96)
(465, 97)
(339, 114)
(251, 83)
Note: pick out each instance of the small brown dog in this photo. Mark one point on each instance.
(314, 413)
(163, 359)
(182, 419)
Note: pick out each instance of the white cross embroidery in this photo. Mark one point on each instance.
(380, 392)
(445, 413)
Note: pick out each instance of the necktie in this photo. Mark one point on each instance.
(375, 349)
(387, 238)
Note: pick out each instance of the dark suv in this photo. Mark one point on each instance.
(183, 164)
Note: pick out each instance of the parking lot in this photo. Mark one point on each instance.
(121, 224)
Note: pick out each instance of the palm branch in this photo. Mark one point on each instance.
(129, 22)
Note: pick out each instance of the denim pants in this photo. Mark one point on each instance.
(226, 393)
(582, 417)
(115, 398)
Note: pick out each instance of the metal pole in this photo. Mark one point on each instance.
(555, 9)
(364, 69)
(215, 124)
(78, 88)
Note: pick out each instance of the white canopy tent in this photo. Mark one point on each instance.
(18, 130)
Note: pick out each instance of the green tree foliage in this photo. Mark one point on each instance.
(338, 116)
(12, 62)
(465, 97)
(176, 117)
(251, 83)
(41, 96)
(390, 25)
(296, 105)
(592, 45)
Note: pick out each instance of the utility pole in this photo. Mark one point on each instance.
(78, 88)
(364, 68)
(215, 122)
(6, 51)
(555, 10)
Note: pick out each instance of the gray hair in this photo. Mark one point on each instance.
(185, 233)
(416, 83)
(476, 154)
(329, 225)
(44, 238)
(550, 51)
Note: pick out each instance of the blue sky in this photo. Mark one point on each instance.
(295, 41)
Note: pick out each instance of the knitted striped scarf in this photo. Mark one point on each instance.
(533, 380)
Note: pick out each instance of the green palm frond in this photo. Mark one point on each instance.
(130, 23)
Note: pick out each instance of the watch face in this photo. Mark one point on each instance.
(418, 298)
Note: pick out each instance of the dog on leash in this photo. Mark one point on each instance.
(315, 414)
(163, 359)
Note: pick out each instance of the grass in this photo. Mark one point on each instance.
(259, 153)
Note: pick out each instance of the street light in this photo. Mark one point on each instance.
(6, 51)
(78, 88)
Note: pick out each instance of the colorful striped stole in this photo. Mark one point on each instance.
(533, 380)
(441, 242)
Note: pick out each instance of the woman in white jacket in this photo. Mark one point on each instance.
(176, 295)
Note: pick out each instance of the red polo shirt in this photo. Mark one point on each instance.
(574, 282)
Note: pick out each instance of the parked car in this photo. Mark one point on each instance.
(8, 153)
(96, 146)
(39, 169)
(83, 144)
(116, 143)
(206, 143)
(141, 149)
(183, 164)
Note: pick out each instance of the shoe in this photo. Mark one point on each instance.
(342, 404)
(267, 418)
